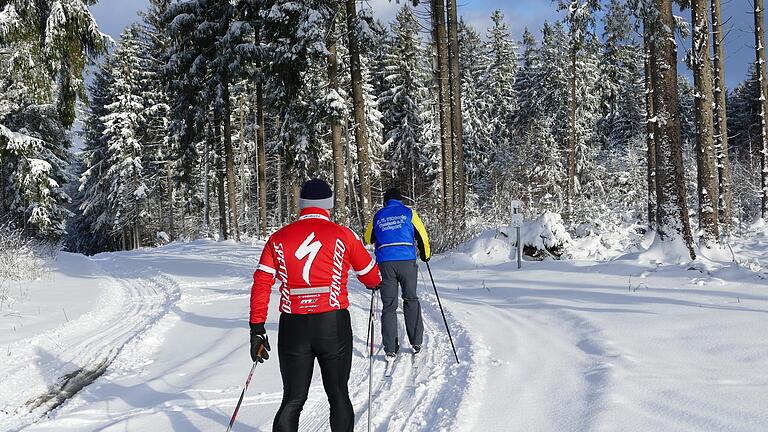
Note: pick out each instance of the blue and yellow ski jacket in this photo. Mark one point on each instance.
(396, 231)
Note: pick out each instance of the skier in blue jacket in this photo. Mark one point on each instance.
(397, 233)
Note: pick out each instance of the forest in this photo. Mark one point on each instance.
(206, 116)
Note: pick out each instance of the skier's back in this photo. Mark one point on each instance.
(311, 259)
(399, 236)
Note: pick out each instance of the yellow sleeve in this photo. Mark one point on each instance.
(368, 236)
(421, 235)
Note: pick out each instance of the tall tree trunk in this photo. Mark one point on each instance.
(339, 198)
(261, 154)
(245, 185)
(650, 123)
(762, 80)
(350, 179)
(456, 120)
(206, 181)
(571, 158)
(440, 40)
(231, 189)
(358, 104)
(171, 221)
(721, 121)
(220, 174)
(705, 151)
(672, 207)
(295, 191)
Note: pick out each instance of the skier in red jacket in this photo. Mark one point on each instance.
(311, 259)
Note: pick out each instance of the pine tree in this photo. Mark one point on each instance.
(123, 126)
(473, 64)
(92, 233)
(500, 76)
(402, 106)
(580, 20)
(52, 41)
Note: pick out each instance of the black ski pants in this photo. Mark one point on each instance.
(326, 337)
(405, 275)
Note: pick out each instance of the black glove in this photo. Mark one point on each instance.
(423, 258)
(259, 343)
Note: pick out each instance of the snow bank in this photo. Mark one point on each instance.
(543, 237)
(602, 242)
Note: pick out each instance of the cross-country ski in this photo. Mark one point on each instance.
(383, 215)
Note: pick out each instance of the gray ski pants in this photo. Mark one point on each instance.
(404, 274)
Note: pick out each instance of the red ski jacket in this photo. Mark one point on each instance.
(311, 259)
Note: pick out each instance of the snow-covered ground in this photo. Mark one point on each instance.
(157, 340)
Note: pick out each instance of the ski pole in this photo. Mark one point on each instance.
(247, 382)
(371, 320)
(443, 313)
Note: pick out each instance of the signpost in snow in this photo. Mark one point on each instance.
(517, 223)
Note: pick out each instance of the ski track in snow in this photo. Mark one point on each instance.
(109, 337)
(539, 351)
(141, 303)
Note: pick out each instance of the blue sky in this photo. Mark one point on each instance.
(114, 15)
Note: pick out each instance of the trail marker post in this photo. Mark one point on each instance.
(516, 222)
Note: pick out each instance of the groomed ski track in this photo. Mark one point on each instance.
(558, 346)
(42, 372)
(149, 294)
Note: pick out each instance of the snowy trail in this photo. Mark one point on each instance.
(414, 397)
(184, 355)
(577, 350)
(556, 346)
(41, 371)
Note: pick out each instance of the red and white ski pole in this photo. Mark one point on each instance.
(242, 394)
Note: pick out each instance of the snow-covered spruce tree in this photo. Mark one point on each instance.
(500, 103)
(295, 34)
(33, 170)
(743, 125)
(51, 42)
(45, 46)
(188, 111)
(500, 79)
(543, 92)
(744, 118)
(370, 43)
(477, 142)
(621, 82)
(358, 34)
(90, 228)
(153, 43)
(124, 124)
(540, 166)
(402, 104)
(581, 22)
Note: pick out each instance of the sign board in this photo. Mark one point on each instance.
(516, 204)
(517, 220)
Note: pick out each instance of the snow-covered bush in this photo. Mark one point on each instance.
(21, 258)
(545, 236)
